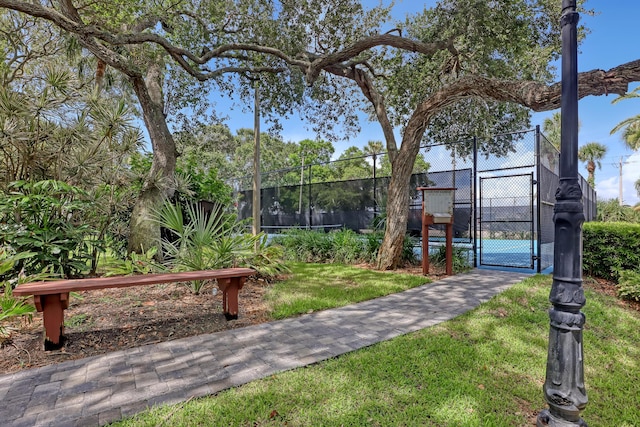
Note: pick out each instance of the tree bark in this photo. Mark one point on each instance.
(591, 169)
(143, 231)
(390, 253)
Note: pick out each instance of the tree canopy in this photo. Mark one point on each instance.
(462, 67)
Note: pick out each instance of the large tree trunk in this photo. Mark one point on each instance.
(390, 254)
(143, 231)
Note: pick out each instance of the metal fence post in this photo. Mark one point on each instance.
(375, 199)
(538, 202)
(474, 202)
(310, 211)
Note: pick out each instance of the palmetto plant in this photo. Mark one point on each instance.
(203, 240)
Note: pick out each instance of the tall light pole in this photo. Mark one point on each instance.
(564, 388)
(256, 162)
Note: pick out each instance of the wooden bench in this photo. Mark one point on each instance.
(52, 298)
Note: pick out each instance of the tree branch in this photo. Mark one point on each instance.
(181, 55)
(364, 82)
(360, 46)
(535, 95)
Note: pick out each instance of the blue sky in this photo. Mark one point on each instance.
(612, 42)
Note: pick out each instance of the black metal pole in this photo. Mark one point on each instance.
(310, 212)
(375, 201)
(474, 202)
(538, 201)
(564, 388)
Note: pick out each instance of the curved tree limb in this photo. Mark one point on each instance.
(367, 43)
(535, 95)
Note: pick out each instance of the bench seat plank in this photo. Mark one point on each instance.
(74, 285)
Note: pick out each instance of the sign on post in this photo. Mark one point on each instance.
(438, 203)
(437, 208)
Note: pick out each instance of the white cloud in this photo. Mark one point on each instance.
(609, 188)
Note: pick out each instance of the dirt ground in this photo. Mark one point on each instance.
(101, 321)
(107, 320)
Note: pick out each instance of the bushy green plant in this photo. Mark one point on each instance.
(459, 261)
(611, 211)
(305, 245)
(343, 246)
(610, 247)
(267, 258)
(205, 241)
(374, 241)
(408, 254)
(47, 219)
(348, 246)
(10, 306)
(629, 285)
(134, 263)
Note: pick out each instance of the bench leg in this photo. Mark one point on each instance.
(52, 307)
(230, 288)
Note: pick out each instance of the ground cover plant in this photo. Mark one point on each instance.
(483, 368)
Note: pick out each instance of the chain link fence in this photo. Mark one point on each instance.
(503, 203)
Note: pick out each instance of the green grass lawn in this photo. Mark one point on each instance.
(314, 287)
(485, 368)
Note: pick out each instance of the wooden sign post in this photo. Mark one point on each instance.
(437, 208)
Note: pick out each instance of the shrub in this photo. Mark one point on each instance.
(305, 245)
(609, 248)
(460, 261)
(10, 306)
(374, 241)
(611, 211)
(344, 246)
(134, 263)
(48, 219)
(629, 285)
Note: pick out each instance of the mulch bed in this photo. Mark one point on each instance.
(107, 320)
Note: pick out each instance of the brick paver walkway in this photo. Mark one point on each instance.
(101, 389)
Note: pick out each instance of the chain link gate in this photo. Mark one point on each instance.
(506, 222)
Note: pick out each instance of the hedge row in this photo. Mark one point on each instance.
(610, 247)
